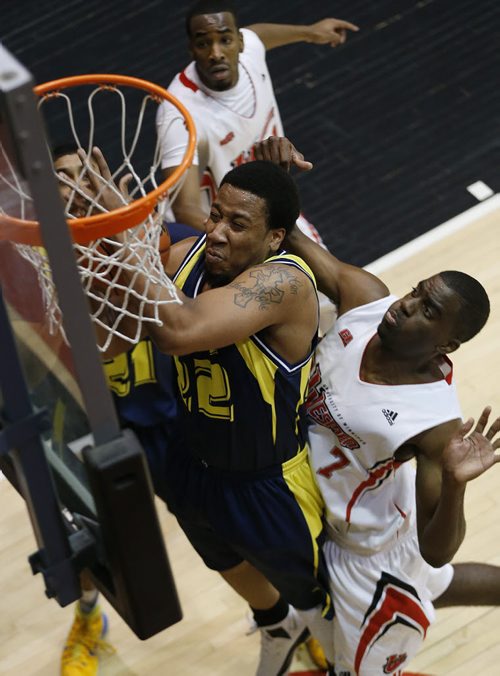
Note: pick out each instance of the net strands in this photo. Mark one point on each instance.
(116, 307)
(14, 197)
(113, 299)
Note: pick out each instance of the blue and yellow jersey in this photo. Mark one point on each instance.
(243, 404)
(142, 382)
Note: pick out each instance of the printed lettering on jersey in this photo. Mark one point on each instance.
(135, 367)
(243, 158)
(345, 336)
(209, 389)
(393, 662)
(317, 409)
(340, 462)
(227, 139)
(249, 154)
(208, 186)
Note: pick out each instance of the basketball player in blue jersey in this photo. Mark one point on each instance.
(141, 381)
(143, 387)
(240, 484)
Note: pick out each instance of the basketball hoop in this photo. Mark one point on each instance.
(140, 213)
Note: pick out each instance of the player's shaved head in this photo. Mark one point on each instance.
(474, 302)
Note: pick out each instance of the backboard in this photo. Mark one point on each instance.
(85, 481)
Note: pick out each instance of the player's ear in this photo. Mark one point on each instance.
(453, 345)
(277, 237)
(241, 40)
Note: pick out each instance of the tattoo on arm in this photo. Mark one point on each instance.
(270, 284)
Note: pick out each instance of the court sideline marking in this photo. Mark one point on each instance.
(440, 232)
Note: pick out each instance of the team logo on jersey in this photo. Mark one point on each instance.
(395, 605)
(390, 416)
(393, 662)
(227, 139)
(317, 410)
(345, 336)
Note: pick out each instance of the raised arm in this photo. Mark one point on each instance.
(187, 206)
(275, 298)
(328, 31)
(446, 461)
(174, 139)
(346, 285)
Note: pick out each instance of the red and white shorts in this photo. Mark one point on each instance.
(383, 606)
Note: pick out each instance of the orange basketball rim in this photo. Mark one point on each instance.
(100, 225)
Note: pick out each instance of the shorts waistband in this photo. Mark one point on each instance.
(262, 473)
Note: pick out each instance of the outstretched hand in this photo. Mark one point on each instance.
(467, 457)
(105, 191)
(280, 150)
(331, 32)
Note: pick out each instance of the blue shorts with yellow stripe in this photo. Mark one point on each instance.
(271, 518)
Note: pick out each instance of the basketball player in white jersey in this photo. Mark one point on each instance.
(382, 393)
(228, 90)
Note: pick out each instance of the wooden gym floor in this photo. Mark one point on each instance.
(211, 640)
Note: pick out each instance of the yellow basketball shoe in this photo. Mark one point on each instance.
(316, 653)
(85, 642)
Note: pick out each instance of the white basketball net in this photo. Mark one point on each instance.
(101, 263)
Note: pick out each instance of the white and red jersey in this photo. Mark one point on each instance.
(227, 123)
(356, 429)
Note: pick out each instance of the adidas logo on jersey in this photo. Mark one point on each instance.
(390, 416)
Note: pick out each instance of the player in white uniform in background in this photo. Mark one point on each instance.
(382, 393)
(228, 90)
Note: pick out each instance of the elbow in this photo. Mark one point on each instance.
(435, 559)
(164, 341)
(437, 555)
(173, 342)
(171, 347)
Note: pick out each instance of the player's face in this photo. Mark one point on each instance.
(70, 167)
(423, 322)
(215, 45)
(237, 235)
